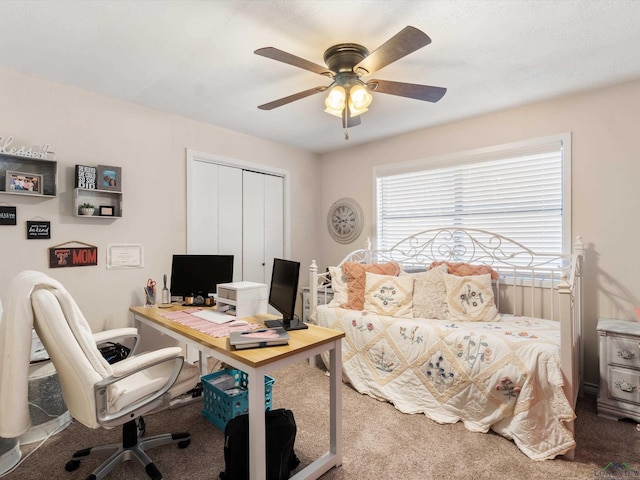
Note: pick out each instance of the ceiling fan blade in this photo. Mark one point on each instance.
(406, 41)
(291, 98)
(410, 90)
(284, 57)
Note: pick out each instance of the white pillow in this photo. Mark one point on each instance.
(339, 287)
(389, 295)
(470, 299)
(430, 294)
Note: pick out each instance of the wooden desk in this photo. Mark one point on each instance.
(256, 363)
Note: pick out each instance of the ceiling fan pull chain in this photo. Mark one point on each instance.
(345, 122)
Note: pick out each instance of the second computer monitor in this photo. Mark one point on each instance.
(193, 275)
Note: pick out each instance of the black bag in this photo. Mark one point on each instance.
(114, 352)
(281, 436)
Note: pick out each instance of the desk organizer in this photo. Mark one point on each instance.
(246, 298)
(219, 407)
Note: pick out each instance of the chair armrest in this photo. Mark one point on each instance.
(128, 367)
(117, 334)
(131, 365)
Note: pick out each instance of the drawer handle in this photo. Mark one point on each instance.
(625, 386)
(626, 354)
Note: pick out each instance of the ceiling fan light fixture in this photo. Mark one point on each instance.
(335, 101)
(346, 63)
(359, 100)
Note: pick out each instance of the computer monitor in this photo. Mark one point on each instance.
(193, 275)
(283, 292)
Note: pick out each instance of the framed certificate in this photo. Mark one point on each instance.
(125, 256)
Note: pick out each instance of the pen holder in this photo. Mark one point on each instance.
(149, 298)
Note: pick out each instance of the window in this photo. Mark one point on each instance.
(521, 191)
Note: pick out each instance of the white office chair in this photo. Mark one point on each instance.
(101, 395)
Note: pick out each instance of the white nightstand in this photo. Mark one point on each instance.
(325, 295)
(619, 348)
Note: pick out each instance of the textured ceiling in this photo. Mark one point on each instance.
(195, 58)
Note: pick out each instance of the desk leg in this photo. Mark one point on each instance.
(257, 431)
(202, 362)
(335, 399)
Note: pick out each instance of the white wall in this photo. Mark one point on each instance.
(606, 196)
(89, 129)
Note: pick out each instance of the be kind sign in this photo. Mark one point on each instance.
(38, 230)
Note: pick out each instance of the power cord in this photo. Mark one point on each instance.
(57, 430)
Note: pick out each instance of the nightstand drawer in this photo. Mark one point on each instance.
(624, 351)
(623, 384)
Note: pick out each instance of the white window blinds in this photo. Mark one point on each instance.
(520, 191)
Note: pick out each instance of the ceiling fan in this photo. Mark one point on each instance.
(349, 95)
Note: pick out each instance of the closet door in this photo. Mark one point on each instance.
(263, 225)
(274, 223)
(214, 213)
(202, 208)
(229, 217)
(236, 208)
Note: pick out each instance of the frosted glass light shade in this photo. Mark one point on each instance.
(335, 101)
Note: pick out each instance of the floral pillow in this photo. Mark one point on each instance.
(356, 279)
(389, 295)
(430, 294)
(470, 298)
(339, 287)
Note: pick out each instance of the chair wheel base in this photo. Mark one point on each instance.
(72, 465)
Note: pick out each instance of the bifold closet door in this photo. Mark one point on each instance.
(263, 225)
(214, 223)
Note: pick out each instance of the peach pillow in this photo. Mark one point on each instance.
(462, 269)
(357, 278)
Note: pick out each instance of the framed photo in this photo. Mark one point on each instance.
(29, 183)
(106, 211)
(109, 178)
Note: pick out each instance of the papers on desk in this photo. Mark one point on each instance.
(188, 318)
(213, 316)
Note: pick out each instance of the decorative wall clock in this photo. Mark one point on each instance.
(345, 220)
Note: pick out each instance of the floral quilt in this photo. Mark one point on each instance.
(503, 375)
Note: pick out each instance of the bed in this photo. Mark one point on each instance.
(471, 326)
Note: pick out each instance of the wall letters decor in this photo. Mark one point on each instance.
(32, 152)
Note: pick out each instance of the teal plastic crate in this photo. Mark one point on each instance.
(219, 407)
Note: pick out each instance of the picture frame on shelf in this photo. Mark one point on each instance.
(106, 211)
(109, 178)
(24, 183)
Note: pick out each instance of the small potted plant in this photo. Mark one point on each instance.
(87, 209)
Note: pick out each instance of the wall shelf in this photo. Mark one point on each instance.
(98, 198)
(37, 166)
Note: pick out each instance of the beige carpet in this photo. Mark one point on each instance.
(379, 442)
